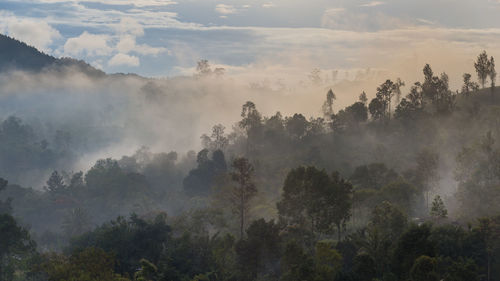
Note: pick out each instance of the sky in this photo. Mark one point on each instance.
(261, 39)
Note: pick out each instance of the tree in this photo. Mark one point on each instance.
(492, 74)
(91, 264)
(424, 269)
(362, 98)
(302, 191)
(251, 122)
(217, 140)
(386, 225)
(478, 178)
(76, 222)
(311, 197)
(131, 240)
(412, 105)
(15, 245)
(55, 183)
(350, 117)
(259, 253)
(296, 265)
(412, 244)
(438, 210)
(296, 126)
(377, 108)
(469, 86)
(397, 89)
(482, 67)
(244, 190)
(385, 92)
(148, 271)
(338, 204)
(5, 206)
(427, 172)
(328, 261)
(200, 180)
(328, 104)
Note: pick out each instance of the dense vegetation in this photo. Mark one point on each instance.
(393, 188)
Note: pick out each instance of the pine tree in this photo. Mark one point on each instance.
(438, 209)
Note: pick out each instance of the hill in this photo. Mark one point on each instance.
(17, 55)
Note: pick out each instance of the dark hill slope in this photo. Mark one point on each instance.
(17, 55)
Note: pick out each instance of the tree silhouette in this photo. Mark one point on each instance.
(482, 68)
(244, 190)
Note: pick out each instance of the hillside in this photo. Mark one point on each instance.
(17, 55)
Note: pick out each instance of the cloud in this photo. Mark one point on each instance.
(225, 9)
(145, 49)
(130, 26)
(268, 5)
(88, 44)
(35, 32)
(372, 4)
(424, 21)
(342, 19)
(126, 44)
(124, 59)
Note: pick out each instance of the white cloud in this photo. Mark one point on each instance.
(372, 4)
(88, 44)
(130, 26)
(126, 44)
(268, 5)
(144, 49)
(225, 9)
(35, 32)
(124, 59)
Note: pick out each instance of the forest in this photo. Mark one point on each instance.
(402, 186)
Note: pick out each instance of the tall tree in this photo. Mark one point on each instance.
(385, 92)
(244, 190)
(482, 67)
(251, 122)
(328, 104)
(397, 89)
(492, 74)
(427, 172)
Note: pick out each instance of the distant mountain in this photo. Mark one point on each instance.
(17, 55)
